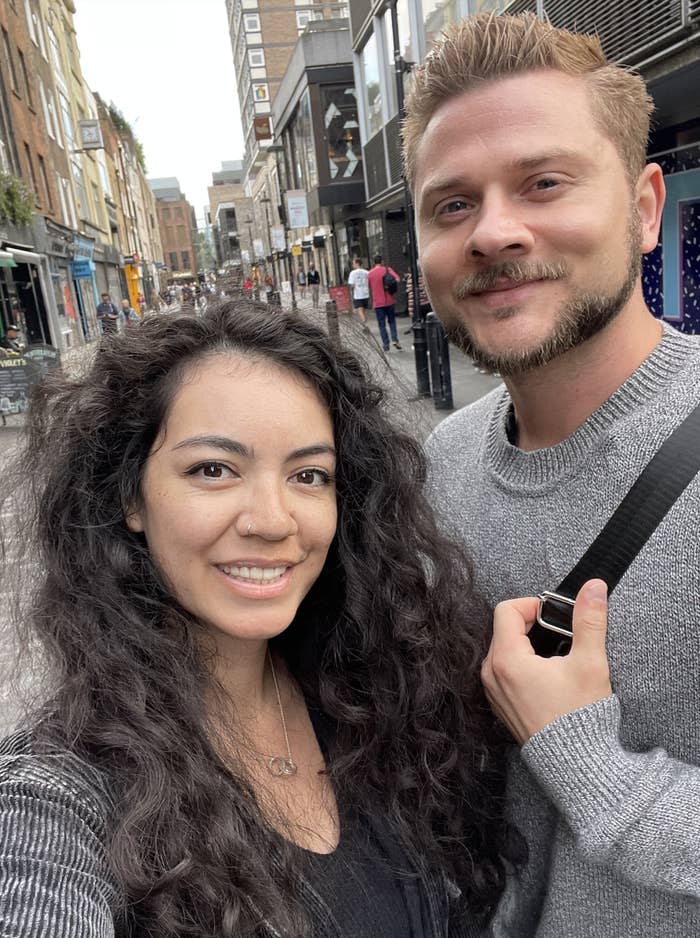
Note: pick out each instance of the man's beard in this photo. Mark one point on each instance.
(580, 319)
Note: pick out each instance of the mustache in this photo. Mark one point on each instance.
(515, 271)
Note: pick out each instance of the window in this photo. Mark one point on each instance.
(45, 183)
(165, 214)
(104, 178)
(10, 61)
(185, 260)
(251, 23)
(32, 174)
(256, 58)
(173, 260)
(67, 121)
(181, 236)
(80, 189)
(56, 55)
(371, 86)
(97, 201)
(339, 104)
(25, 78)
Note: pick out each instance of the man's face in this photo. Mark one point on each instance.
(529, 235)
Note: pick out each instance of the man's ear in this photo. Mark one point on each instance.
(650, 193)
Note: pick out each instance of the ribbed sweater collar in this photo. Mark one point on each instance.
(544, 467)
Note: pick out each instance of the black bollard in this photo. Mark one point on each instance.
(420, 350)
(439, 352)
(332, 320)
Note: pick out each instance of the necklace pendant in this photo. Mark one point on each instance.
(279, 766)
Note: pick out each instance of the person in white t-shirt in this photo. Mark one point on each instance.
(359, 282)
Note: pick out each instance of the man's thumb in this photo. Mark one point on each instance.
(590, 620)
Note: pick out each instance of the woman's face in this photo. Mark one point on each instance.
(238, 501)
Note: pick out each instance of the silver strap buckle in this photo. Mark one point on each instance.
(546, 596)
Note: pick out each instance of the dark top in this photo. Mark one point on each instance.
(368, 891)
(313, 277)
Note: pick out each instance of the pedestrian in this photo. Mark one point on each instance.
(107, 314)
(128, 315)
(532, 258)
(10, 342)
(313, 279)
(383, 283)
(359, 284)
(264, 714)
(301, 281)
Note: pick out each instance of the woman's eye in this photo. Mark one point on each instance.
(210, 470)
(312, 477)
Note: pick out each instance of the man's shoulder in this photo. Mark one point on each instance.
(464, 429)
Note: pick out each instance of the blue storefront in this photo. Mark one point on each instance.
(83, 273)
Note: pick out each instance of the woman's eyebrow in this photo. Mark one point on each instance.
(218, 442)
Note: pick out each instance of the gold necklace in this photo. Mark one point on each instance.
(278, 765)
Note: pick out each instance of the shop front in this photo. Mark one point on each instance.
(83, 276)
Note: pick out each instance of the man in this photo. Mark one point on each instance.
(526, 154)
(383, 300)
(10, 342)
(358, 281)
(107, 314)
(313, 279)
(128, 315)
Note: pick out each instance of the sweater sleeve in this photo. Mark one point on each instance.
(54, 876)
(635, 813)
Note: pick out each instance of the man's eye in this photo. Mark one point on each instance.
(451, 208)
(544, 184)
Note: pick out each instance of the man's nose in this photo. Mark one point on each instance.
(499, 229)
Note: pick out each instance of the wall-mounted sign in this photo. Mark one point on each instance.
(297, 210)
(262, 127)
(278, 240)
(90, 135)
(258, 247)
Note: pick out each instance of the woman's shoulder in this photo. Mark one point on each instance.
(37, 772)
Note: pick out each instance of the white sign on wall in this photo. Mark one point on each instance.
(297, 210)
(277, 236)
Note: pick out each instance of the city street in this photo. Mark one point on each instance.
(400, 378)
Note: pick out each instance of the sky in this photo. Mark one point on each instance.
(167, 66)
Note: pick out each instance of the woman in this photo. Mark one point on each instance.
(267, 718)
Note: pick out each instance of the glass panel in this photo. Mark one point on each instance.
(306, 170)
(372, 87)
(437, 14)
(339, 105)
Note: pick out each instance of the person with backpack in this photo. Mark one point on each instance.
(383, 284)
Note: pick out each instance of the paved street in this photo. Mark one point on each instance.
(420, 415)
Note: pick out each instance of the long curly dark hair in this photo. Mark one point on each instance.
(387, 644)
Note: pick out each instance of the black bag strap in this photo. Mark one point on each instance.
(674, 465)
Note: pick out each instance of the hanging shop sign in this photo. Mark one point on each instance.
(82, 268)
(297, 209)
(296, 250)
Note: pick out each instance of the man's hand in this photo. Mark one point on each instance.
(528, 692)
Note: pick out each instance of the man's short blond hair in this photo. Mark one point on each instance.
(487, 47)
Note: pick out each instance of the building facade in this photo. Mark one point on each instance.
(176, 225)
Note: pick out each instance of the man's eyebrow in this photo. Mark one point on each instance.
(217, 442)
(549, 156)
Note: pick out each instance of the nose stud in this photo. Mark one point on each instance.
(249, 529)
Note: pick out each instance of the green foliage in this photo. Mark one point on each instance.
(124, 127)
(16, 200)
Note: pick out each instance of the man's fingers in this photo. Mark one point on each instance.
(590, 619)
(515, 616)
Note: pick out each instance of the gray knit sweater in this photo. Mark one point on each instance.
(608, 797)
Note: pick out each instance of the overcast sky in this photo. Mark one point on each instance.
(167, 65)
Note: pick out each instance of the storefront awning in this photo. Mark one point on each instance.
(7, 260)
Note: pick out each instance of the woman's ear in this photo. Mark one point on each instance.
(134, 519)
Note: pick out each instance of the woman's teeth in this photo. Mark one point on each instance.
(258, 574)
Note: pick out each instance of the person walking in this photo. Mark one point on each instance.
(301, 282)
(107, 314)
(532, 259)
(128, 315)
(313, 279)
(383, 284)
(358, 281)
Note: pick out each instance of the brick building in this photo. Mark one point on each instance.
(176, 224)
